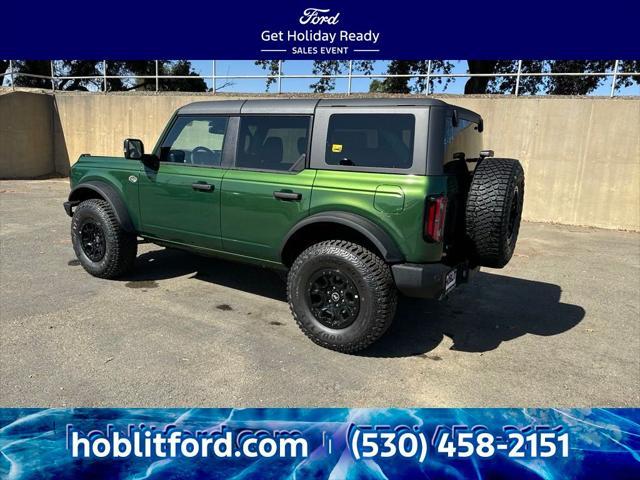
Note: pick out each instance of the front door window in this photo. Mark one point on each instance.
(195, 141)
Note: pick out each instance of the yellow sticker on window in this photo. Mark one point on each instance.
(336, 148)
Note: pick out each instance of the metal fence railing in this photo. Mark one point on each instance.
(278, 77)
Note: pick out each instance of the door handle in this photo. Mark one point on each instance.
(205, 187)
(288, 196)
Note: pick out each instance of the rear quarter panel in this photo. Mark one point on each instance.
(393, 201)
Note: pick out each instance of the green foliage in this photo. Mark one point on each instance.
(320, 67)
(335, 67)
(80, 68)
(556, 85)
(531, 85)
(34, 67)
(271, 66)
(4, 64)
(418, 67)
(92, 70)
(629, 66)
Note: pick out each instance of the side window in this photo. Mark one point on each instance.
(273, 142)
(195, 141)
(371, 140)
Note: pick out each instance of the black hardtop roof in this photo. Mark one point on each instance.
(304, 105)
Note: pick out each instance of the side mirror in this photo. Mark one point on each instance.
(133, 149)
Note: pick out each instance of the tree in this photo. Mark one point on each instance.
(553, 85)
(479, 84)
(333, 67)
(407, 68)
(79, 68)
(320, 67)
(388, 85)
(628, 66)
(406, 82)
(33, 67)
(147, 68)
(4, 64)
(92, 70)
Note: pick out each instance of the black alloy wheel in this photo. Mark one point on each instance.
(333, 298)
(92, 241)
(513, 215)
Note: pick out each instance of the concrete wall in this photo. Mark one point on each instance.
(98, 124)
(581, 155)
(26, 135)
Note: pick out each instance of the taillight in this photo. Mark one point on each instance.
(434, 218)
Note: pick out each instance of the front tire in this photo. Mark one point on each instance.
(103, 248)
(342, 296)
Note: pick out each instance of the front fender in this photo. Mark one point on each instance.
(89, 189)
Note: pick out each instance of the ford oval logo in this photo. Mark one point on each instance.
(313, 16)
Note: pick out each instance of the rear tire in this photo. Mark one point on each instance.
(103, 248)
(341, 295)
(494, 210)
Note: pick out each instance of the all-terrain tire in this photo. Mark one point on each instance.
(119, 247)
(372, 279)
(494, 210)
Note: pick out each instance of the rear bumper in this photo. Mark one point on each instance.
(430, 280)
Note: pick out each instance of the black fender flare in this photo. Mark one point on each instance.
(373, 232)
(111, 195)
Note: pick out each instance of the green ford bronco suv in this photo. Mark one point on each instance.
(357, 199)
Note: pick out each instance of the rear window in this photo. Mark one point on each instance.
(463, 138)
(371, 140)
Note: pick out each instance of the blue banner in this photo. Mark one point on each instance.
(321, 29)
(319, 443)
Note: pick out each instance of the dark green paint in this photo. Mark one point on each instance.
(241, 219)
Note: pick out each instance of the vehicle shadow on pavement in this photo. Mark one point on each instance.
(171, 263)
(477, 317)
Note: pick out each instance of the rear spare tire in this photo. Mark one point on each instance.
(494, 210)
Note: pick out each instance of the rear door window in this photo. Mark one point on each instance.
(273, 142)
(371, 140)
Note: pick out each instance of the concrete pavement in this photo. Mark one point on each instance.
(559, 326)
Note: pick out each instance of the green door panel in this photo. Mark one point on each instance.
(388, 199)
(376, 196)
(172, 209)
(253, 221)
